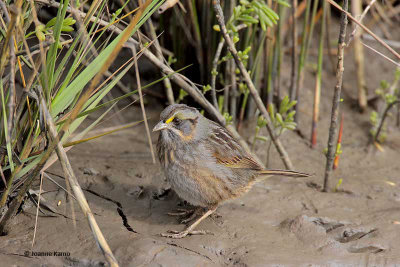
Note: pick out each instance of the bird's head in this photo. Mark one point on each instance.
(178, 123)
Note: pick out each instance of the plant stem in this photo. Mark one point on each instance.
(336, 97)
(215, 66)
(215, 72)
(356, 7)
(281, 150)
(339, 142)
(318, 82)
(303, 57)
(397, 55)
(361, 18)
(292, 86)
(278, 51)
(197, 36)
(388, 107)
(70, 175)
(139, 86)
(233, 90)
(166, 81)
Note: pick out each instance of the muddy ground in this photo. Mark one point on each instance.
(280, 222)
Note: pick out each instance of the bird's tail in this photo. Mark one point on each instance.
(284, 172)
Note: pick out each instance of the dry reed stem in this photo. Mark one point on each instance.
(281, 150)
(382, 55)
(167, 5)
(360, 19)
(159, 54)
(214, 71)
(336, 97)
(318, 80)
(214, 67)
(15, 11)
(392, 43)
(292, 86)
(356, 7)
(233, 91)
(9, 43)
(133, 47)
(73, 181)
(37, 208)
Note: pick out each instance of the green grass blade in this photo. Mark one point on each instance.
(8, 142)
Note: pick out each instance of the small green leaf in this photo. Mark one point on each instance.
(279, 118)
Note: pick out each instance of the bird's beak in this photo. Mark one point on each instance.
(160, 126)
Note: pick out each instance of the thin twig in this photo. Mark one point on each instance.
(356, 7)
(388, 107)
(166, 81)
(133, 47)
(34, 49)
(214, 72)
(37, 209)
(15, 11)
(41, 47)
(365, 29)
(318, 79)
(3, 178)
(233, 91)
(303, 58)
(53, 181)
(336, 97)
(382, 55)
(167, 5)
(214, 69)
(393, 43)
(292, 86)
(360, 19)
(281, 150)
(5, 11)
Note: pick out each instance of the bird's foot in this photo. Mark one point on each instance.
(182, 212)
(178, 235)
(190, 214)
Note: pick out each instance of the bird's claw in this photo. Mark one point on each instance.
(181, 213)
(190, 214)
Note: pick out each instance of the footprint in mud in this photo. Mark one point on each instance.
(325, 234)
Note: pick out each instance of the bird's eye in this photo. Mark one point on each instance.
(177, 121)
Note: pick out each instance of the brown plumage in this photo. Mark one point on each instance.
(203, 163)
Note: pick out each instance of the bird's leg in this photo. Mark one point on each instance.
(190, 214)
(182, 212)
(195, 212)
(190, 229)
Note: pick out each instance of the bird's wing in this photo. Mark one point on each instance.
(228, 152)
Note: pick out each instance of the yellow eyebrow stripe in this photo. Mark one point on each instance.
(170, 119)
